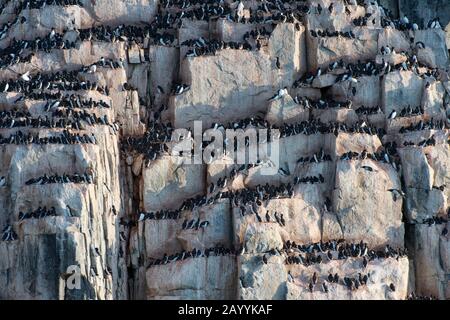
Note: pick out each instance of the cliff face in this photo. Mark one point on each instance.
(359, 208)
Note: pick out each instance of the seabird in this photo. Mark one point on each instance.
(329, 255)
(240, 11)
(2, 181)
(284, 172)
(420, 45)
(204, 224)
(264, 259)
(279, 94)
(92, 68)
(283, 222)
(392, 115)
(26, 76)
(267, 216)
(290, 277)
(336, 278)
(330, 278)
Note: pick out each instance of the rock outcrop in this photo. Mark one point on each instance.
(349, 108)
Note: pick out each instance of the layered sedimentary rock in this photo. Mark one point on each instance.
(359, 120)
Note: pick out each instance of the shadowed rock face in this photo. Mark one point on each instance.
(151, 225)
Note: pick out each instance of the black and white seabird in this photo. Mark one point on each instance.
(392, 115)
(279, 94)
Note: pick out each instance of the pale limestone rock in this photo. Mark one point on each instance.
(433, 99)
(163, 71)
(439, 159)
(134, 55)
(324, 80)
(435, 53)
(393, 38)
(423, 203)
(137, 164)
(285, 110)
(336, 115)
(169, 232)
(232, 31)
(290, 150)
(430, 255)
(382, 274)
(254, 275)
(323, 51)
(62, 18)
(400, 89)
(288, 44)
(220, 92)
(40, 22)
(166, 183)
(355, 142)
(364, 207)
(69, 238)
(34, 267)
(367, 91)
(138, 77)
(337, 20)
(302, 225)
(191, 30)
(118, 12)
(416, 171)
(393, 58)
(200, 278)
(418, 166)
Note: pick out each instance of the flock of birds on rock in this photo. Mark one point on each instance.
(239, 198)
(65, 178)
(321, 104)
(19, 138)
(438, 220)
(61, 81)
(315, 158)
(316, 253)
(194, 224)
(424, 143)
(371, 68)
(424, 125)
(153, 142)
(60, 123)
(202, 47)
(39, 213)
(322, 252)
(159, 215)
(8, 234)
(389, 156)
(218, 250)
